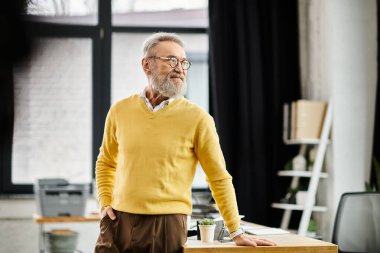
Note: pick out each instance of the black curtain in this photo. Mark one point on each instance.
(254, 70)
(376, 136)
(14, 47)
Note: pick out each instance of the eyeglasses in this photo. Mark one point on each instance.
(173, 61)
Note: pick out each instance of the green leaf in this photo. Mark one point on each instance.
(207, 222)
(312, 226)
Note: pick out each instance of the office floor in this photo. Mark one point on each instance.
(20, 235)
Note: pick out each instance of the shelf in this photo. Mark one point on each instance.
(298, 207)
(303, 141)
(299, 173)
(309, 113)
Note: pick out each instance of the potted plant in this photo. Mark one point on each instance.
(312, 228)
(207, 229)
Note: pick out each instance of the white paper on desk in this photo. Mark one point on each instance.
(265, 231)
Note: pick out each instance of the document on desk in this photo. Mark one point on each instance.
(265, 231)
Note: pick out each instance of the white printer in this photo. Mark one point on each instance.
(57, 197)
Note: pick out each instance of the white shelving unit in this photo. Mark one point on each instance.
(298, 207)
(315, 175)
(298, 173)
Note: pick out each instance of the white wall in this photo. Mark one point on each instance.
(339, 62)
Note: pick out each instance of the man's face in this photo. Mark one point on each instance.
(168, 81)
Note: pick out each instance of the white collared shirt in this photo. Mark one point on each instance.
(157, 107)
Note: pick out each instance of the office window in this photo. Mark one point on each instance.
(127, 76)
(124, 6)
(163, 13)
(197, 79)
(46, 141)
(64, 11)
(53, 123)
(62, 7)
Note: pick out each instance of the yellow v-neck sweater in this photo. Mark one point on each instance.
(147, 160)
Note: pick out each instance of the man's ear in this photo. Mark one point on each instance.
(146, 66)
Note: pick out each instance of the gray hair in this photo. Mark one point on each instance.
(156, 38)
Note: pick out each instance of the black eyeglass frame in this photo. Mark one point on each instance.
(173, 61)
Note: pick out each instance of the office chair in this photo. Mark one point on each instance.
(357, 223)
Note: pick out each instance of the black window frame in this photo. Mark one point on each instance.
(101, 36)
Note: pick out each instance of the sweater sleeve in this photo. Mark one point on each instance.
(209, 153)
(107, 162)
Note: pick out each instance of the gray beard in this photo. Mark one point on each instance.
(166, 87)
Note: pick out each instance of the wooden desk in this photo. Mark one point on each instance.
(291, 243)
(59, 219)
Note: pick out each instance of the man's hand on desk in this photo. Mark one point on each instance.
(107, 210)
(249, 240)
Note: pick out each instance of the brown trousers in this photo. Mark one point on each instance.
(135, 233)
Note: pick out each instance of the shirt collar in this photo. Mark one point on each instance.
(157, 107)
